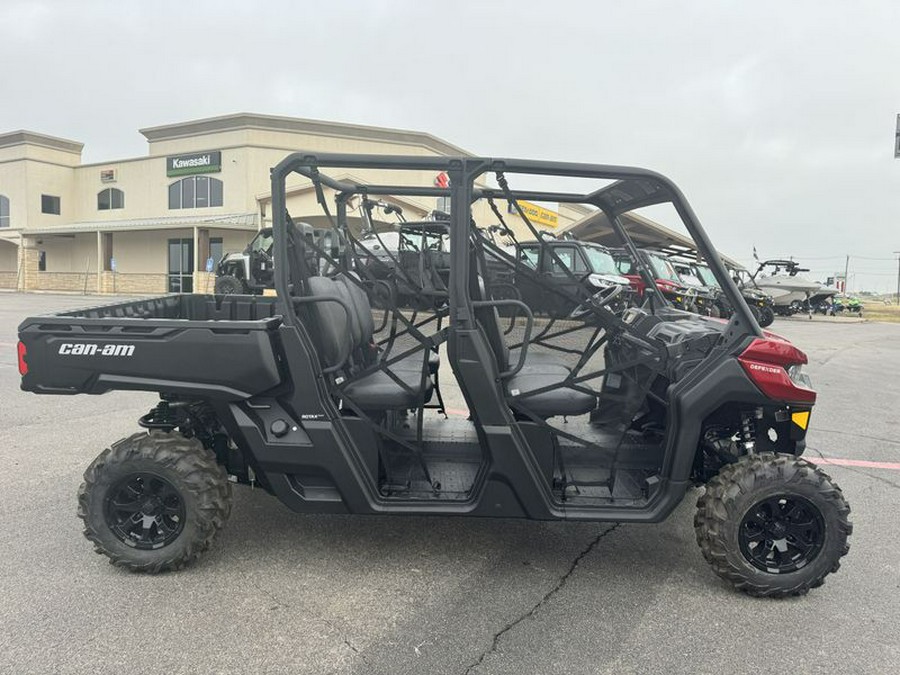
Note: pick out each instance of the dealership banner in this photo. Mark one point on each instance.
(197, 162)
(538, 215)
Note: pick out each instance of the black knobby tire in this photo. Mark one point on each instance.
(737, 492)
(766, 317)
(229, 285)
(196, 486)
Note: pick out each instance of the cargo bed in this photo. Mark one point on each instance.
(223, 347)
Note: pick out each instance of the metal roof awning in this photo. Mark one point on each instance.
(232, 221)
(645, 232)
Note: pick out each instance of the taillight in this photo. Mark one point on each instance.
(775, 367)
(23, 363)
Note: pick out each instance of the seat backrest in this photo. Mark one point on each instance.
(330, 326)
(360, 302)
(355, 325)
(489, 320)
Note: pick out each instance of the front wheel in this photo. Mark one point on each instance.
(766, 317)
(773, 525)
(154, 501)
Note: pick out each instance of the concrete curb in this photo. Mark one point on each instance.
(823, 319)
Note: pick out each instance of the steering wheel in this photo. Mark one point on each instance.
(599, 299)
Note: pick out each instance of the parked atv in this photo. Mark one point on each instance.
(710, 300)
(836, 305)
(666, 281)
(414, 260)
(853, 306)
(761, 304)
(252, 271)
(249, 271)
(599, 417)
(579, 268)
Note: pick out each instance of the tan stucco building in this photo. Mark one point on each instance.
(150, 224)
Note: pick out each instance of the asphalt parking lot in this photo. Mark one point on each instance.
(281, 592)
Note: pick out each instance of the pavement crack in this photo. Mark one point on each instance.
(268, 594)
(495, 642)
(354, 649)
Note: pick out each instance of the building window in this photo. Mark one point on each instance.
(110, 198)
(195, 192)
(50, 204)
(4, 211)
(42, 261)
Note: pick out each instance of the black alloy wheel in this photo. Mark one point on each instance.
(773, 525)
(781, 534)
(154, 501)
(145, 511)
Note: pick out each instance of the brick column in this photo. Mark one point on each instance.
(204, 283)
(29, 257)
(107, 283)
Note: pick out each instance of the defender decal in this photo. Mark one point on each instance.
(93, 349)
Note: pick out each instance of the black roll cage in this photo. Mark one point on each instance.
(633, 188)
(496, 423)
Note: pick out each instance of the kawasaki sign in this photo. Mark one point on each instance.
(198, 162)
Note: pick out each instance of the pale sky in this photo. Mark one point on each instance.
(777, 119)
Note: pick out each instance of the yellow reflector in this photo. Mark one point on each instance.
(801, 419)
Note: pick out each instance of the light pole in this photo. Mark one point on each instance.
(897, 253)
(897, 156)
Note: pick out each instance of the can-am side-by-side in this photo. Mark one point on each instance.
(596, 414)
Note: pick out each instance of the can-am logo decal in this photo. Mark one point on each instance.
(92, 349)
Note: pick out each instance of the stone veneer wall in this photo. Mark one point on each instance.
(125, 284)
(75, 282)
(9, 279)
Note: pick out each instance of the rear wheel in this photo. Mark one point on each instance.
(229, 285)
(773, 525)
(154, 502)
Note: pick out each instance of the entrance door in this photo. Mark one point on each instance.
(181, 265)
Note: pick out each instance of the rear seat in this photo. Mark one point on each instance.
(364, 329)
(339, 339)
